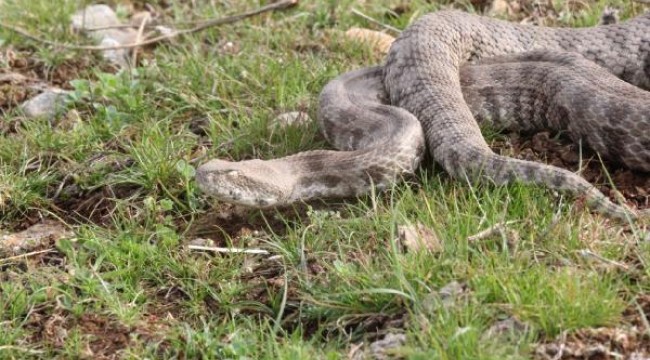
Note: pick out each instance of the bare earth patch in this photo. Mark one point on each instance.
(628, 341)
(99, 336)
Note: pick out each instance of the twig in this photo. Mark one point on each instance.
(396, 30)
(138, 37)
(22, 349)
(228, 250)
(148, 26)
(119, 26)
(492, 230)
(592, 255)
(16, 257)
(642, 316)
(202, 26)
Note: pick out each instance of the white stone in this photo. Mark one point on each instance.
(45, 104)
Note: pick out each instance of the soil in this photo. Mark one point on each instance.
(630, 340)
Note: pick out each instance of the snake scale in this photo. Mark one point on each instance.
(445, 74)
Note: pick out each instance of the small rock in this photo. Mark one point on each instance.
(101, 16)
(384, 349)
(36, 236)
(229, 47)
(94, 16)
(46, 104)
(119, 57)
(293, 118)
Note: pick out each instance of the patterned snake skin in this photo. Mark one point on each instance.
(445, 72)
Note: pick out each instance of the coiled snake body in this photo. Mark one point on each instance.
(445, 72)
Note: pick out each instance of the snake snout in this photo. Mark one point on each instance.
(243, 183)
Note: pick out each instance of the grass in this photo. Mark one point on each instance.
(118, 171)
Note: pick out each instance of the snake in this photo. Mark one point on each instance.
(446, 75)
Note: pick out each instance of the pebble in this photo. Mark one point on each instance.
(100, 16)
(45, 104)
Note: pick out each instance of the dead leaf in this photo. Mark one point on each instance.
(356, 352)
(13, 78)
(509, 328)
(452, 291)
(54, 330)
(292, 118)
(380, 42)
(447, 296)
(500, 7)
(419, 238)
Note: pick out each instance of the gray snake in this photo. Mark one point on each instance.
(446, 73)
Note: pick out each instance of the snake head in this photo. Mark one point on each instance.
(253, 183)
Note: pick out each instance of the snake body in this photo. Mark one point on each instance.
(447, 72)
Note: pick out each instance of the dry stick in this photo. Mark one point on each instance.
(492, 230)
(360, 14)
(148, 26)
(138, 37)
(23, 349)
(120, 26)
(25, 255)
(228, 250)
(592, 255)
(210, 23)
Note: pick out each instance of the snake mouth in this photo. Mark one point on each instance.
(234, 182)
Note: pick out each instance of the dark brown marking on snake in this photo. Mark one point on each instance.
(332, 181)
